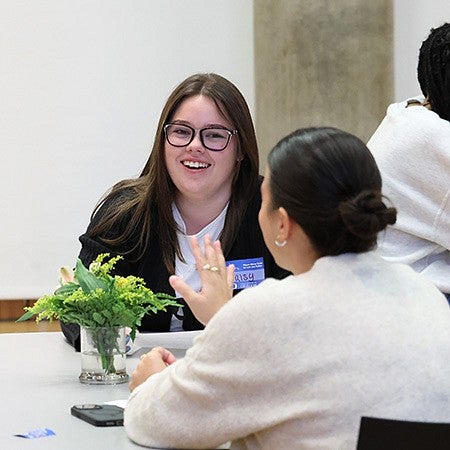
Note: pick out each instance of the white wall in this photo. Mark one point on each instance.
(413, 20)
(82, 84)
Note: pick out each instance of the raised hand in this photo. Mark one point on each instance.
(216, 279)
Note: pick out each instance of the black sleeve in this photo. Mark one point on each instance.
(71, 332)
(190, 322)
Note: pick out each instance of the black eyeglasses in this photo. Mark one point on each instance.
(212, 138)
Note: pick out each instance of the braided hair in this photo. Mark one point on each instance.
(433, 70)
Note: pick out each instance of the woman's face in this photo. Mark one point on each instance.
(198, 173)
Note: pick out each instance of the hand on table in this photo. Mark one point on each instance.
(216, 278)
(156, 360)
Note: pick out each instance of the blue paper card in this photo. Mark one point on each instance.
(40, 432)
(247, 272)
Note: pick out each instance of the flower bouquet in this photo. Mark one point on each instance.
(103, 305)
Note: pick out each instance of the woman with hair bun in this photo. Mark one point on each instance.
(296, 363)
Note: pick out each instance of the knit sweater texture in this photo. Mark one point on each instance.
(296, 363)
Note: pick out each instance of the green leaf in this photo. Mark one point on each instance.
(88, 281)
(133, 334)
(25, 316)
(67, 288)
(98, 318)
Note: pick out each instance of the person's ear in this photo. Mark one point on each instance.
(284, 225)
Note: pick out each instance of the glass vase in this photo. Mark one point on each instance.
(103, 358)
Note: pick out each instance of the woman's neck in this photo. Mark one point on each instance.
(197, 214)
(299, 253)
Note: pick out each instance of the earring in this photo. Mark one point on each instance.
(280, 244)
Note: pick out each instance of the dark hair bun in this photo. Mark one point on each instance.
(366, 214)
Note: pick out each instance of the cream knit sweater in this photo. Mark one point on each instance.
(294, 364)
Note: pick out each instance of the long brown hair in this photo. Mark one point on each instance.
(153, 191)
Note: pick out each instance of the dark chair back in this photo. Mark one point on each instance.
(387, 434)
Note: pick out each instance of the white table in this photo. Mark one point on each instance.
(39, 384)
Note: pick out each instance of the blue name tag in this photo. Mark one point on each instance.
(247, 272)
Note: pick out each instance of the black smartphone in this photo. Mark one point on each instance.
(99, 415)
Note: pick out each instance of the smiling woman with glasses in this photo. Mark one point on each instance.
(202, 176)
